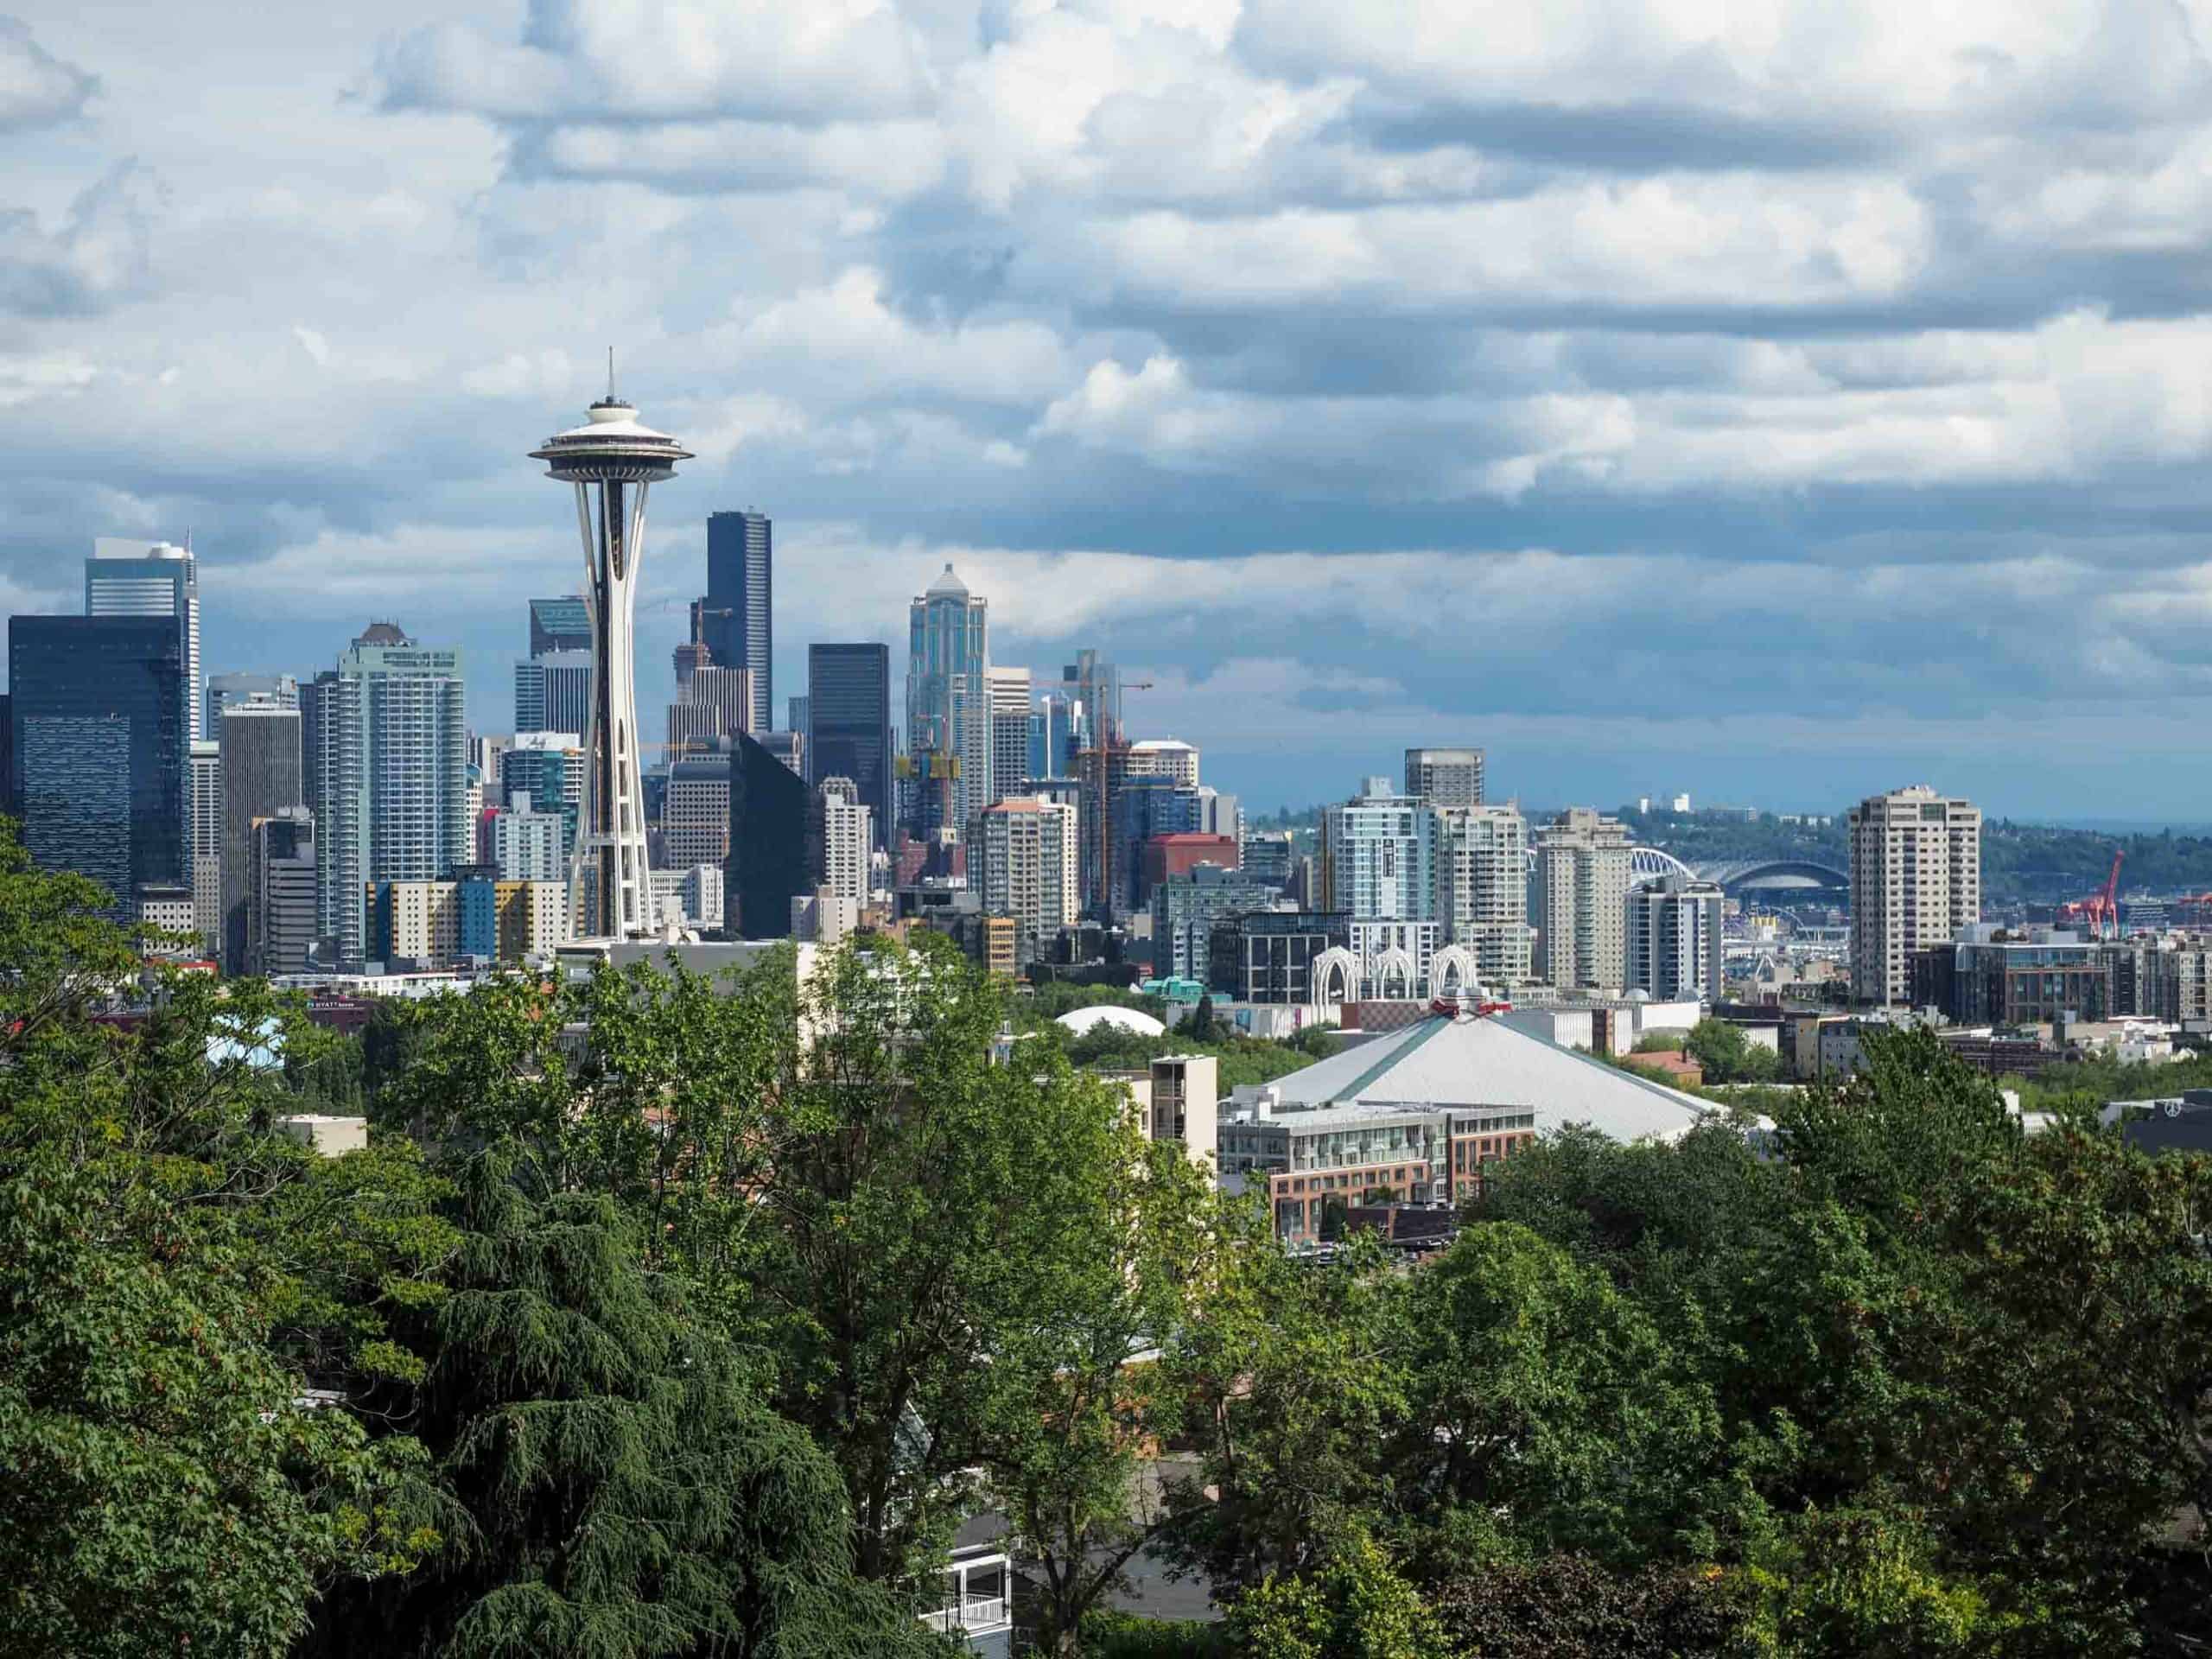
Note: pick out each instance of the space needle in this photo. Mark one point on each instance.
(612, 460)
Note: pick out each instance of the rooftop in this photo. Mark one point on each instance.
(1485, 1064)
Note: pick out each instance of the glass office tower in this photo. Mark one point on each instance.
(848, 723)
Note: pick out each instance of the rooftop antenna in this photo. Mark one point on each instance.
(610, 374)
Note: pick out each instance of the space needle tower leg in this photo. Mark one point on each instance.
(613, 461)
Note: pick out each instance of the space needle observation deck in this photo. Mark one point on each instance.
(614, 460)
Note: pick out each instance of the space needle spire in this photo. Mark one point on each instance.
(612, 460)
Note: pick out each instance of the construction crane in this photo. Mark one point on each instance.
(2100, 909)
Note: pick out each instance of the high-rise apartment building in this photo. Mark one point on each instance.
(553, 692)
(1185, 908)
(1165, 757)
(1378, 854)
(281, 904)
(1029, 859)
(130, 578)
(848, 723)
(1141, 809)
(1055, 734)
(738, 616)
(527, 845)
(1674, 940)
(389, 775)
(204, 789)
(1582, 881)
(262, 779)
(1915, 878)
(1008, 689)
(948, 707)
(224, 690)
(840, 840)
(100, 742)
(548, 767)
(1445, 777)
(1482, 888)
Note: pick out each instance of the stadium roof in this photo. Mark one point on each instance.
(1484, 1065)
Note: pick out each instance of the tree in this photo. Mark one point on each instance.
(624, 1492)
(1201, 1027)
(1573, 1607)
(1726, 1055)
(1078, 1401)
(1352, 1606)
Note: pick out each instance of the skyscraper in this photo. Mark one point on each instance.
(738, 621)
(1482, 886)
(1053, 731)
(99, 717)
(840, 840)
(1027, 860)
(388, 775)
(1445, 777)
(715, 703)
(557, 624)
(130, 578)
(280, 906)
(1674, 940)
(694, 818)
(281, 688)
(260, 748)
(1916, 879)
(1009, 698)
(948, 707)
(1582, 875)
(553, 692)
(848, 723)
(1165, 757)
(205, 789)
(614, 460)
(548, 767)
(767, 844)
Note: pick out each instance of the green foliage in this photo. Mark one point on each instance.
(1352, 1606)
(1726, 1055)
(1573, 1607)
(626, 1494)
(1127, 1636)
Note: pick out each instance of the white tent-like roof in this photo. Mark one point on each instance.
(1484, 1065)
(1079, 1020)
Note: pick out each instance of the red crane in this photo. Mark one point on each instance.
(2100, 909)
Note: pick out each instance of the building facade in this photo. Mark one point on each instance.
(280, 906)
(127, 578)
(100, 744)
(948, 707)
(1028, 857)
(1268, 955)
(1445, 779)
(526, 844)
(262, 779)
(1185, 907)
(1674, 940)
(1482, 885)
(844, 841)
(765, 868)
(695, 813)
(738, 620)
(553, 692)
(1008, 689)
(1915, 881)
(1165, 757)
(223, 689)
(204, 786)
(1582, 879)
(1378, 856)
(849, 724)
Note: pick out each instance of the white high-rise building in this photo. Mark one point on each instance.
(526, 844)
(1009, 694)
(1674, 940)
(205, 789)
(132, 578)
(1378, 856)
(695, 812)
(1165, 756)
(847, 840)
(1028, 860)
(1445, 777)
(614, 460)
(1582, 877)
(948, 760)
(1916, 879)
(387, 767)
(1482, 884)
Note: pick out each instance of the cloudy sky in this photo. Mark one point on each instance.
(1777, 401)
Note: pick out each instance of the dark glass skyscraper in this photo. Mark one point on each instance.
(736, 622)
(767, 844)
(848, 723)
(262, 778)
(99, 721)
(559, 625)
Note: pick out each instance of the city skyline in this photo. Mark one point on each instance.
(1820, 446)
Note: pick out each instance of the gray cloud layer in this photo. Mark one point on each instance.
(1777, 403)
